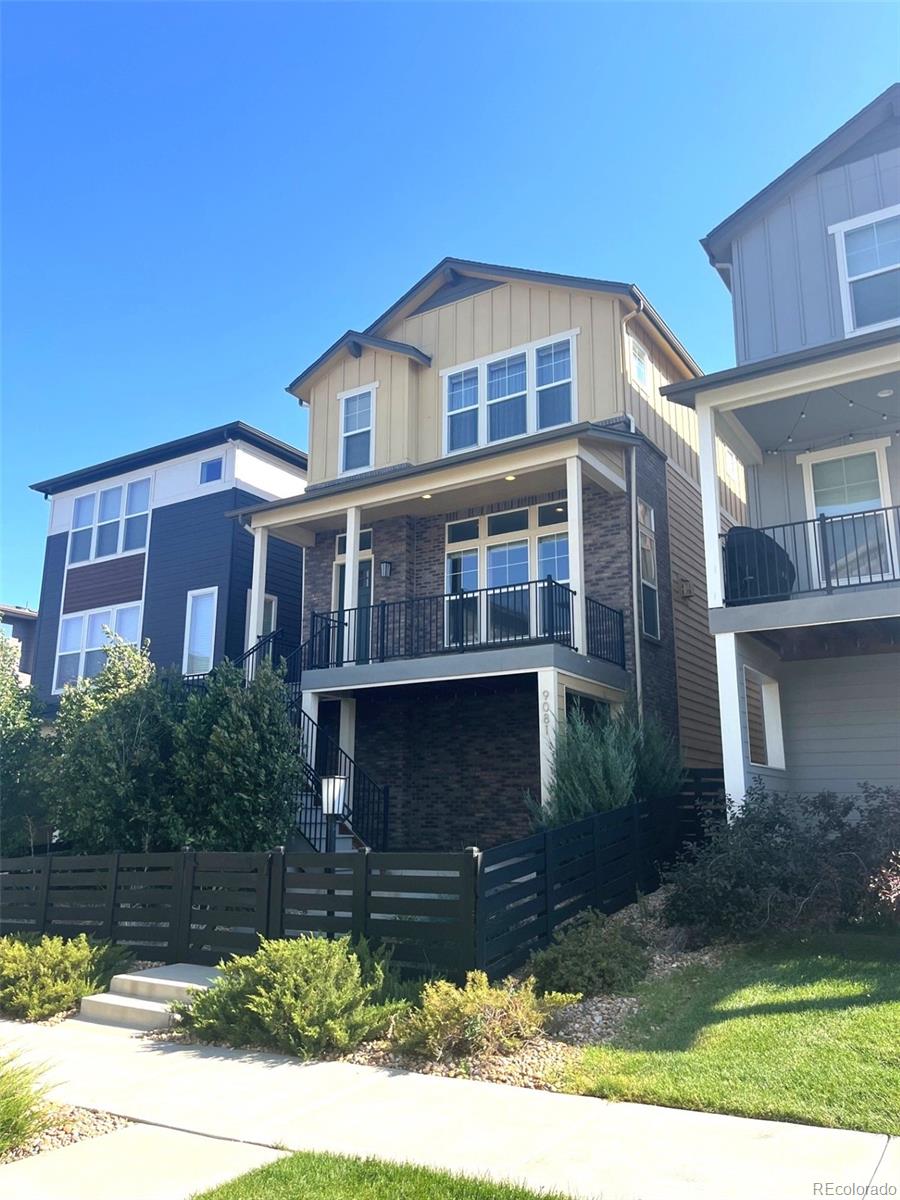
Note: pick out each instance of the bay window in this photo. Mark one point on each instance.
(83, 640)
(111, 521)
(868, 261)
(504, 396)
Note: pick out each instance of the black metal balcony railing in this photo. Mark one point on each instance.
(802, 558)
(605, 632)
(511, 615)
(514, 614)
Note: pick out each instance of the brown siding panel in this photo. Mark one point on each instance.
(117, 581)
(698, 695)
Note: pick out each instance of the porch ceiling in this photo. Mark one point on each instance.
(832, 414)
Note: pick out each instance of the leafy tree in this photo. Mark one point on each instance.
(236, 762)
(110, 774)
(21, 744)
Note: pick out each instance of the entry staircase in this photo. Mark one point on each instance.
(364, 820)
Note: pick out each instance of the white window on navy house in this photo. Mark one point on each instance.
(200, 631)
(83, 640)
(357, 412)
(211, 470)
(111, 521)
(649, 579)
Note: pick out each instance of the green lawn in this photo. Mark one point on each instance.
(808, 1032)
(326, 1177)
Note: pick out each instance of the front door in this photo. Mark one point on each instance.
(358, 624)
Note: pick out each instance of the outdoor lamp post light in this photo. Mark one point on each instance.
(334, 791)
(385, 565)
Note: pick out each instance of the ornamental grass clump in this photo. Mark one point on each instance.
(478, 1019)
(299, 996)
(23, 1112)
(42, 977)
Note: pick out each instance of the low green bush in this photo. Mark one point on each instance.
(23, 1113)
(590, 955)
(40, 977)
(299, 996)
(785, 863)
(480, 1018)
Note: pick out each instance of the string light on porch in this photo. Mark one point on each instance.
(883, 394)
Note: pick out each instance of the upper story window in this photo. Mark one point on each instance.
(111, 521)
(211, 470)
(868, 259)
(649, 578)
(83, 641)
(640, 367)
(357, 425)
(507, 395)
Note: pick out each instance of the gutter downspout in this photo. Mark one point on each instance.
(635, 542)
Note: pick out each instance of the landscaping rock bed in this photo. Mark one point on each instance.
(67, 1125)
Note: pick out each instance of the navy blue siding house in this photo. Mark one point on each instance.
(146, 545)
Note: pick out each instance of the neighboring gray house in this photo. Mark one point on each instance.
(805, 600)
(22, 625)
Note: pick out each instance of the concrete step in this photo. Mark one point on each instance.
(131, 1011)
(175, 981)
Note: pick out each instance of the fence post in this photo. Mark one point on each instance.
(598, 872)
(360, 892)
(469, 879)
(181, 939)
(636, 846)
(549, 864)
(111, 899)
(275, 914)
(43, 895)
(385, 815)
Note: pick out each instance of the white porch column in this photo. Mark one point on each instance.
(576, 552)
(350, 598)
(309, 703)
(257, 585)
(709, 490)
(548, 724)
(731, 682)
(347, 732)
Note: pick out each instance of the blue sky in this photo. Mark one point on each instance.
(198, 198)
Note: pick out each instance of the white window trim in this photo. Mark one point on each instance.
(532, 533)
(529, 349)
(340, 560)
(838, 232)
(644, 389)
(106, 486)
(214, 592)
(772, 726)
(878, 446)
(340, 555)
(342, 398)
(113, 610)
(650, 529)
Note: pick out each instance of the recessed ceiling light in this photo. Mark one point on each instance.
(426, 495)
(559, 508)
(885, 392)
(509, 478)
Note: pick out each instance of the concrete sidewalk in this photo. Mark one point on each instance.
(586, 1147)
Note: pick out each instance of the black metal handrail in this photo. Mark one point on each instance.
(605, 632)
(827, 553)
(540, 610)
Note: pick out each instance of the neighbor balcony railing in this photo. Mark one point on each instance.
(801, 558)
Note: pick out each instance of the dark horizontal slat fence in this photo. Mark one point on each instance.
(439, 913)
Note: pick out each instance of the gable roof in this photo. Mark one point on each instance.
(452, 279)
(353, 341)
(885, 107)
(236, 431)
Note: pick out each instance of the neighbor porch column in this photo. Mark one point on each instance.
(730, 676)
(548, 725)
(350, 599)
(709, 491)
(576, 552)
(309, 703)
(257, 585)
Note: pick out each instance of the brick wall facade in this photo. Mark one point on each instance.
(458, 756)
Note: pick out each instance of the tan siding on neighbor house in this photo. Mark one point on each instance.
(698, 698)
